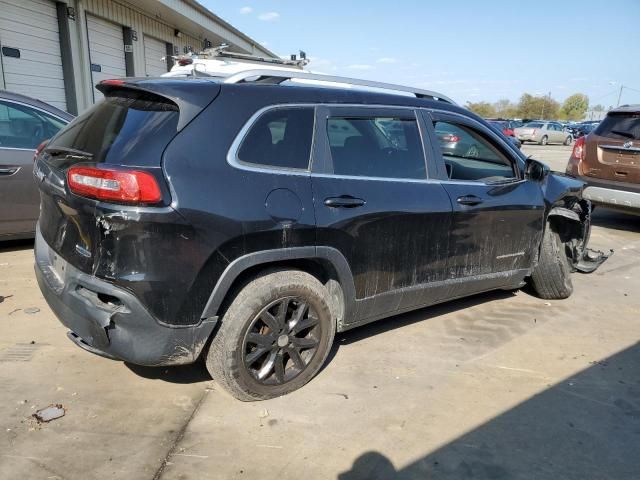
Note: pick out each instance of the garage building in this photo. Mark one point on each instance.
(58, 50)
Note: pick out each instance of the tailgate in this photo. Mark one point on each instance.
(129, 130)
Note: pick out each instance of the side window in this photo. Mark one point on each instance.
(385, 147)
(469, 155)
(24, 127)
(280, 138)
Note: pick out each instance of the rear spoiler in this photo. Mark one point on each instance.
(190, 95)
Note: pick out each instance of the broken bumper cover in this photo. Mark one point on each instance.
(109, 321)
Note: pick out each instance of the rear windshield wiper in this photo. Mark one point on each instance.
(623, 134)
(68, 152)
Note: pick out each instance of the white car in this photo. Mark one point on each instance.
(542, 133)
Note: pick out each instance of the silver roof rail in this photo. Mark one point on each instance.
(279, 76)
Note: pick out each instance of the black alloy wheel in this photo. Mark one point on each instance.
(281, 341)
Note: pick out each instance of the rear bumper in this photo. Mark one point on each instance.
(624, 196)
(110, 321)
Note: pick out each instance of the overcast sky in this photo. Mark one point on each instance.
(469, 50)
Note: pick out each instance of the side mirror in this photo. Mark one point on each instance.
(535, 170)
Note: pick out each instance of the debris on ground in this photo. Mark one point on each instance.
(52, 412)
(4, 297)
(31, 310)
(264, 413)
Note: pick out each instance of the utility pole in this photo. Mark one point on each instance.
(620, 95)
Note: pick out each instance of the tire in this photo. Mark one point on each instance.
(245, 354)
(567, 141)
(544, 140)
(551, 278)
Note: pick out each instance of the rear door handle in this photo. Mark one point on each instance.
(6, 172)
(469, 200)
(345, 201)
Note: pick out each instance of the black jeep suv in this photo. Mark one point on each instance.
(247, 221)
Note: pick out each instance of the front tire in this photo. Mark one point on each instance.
(551, 278)
(544, 140)
(567, 141)
(274, 337)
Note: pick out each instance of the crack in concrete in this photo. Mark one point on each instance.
(178, 438)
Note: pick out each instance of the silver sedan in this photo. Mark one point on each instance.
(543, 133)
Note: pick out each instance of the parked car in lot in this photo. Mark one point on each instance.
(581, 129)
(246, 221)
(505, 128)
(508, 126)
(543, 133)
(24, 123)
(608, 160)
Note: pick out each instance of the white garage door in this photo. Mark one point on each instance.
(154, 51)
(106, 51)
(31, 61)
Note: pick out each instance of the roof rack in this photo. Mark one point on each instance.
(279, 76)
(221, 51)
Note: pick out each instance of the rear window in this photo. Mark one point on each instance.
(534, 125)
(127, 128)
(620, 126)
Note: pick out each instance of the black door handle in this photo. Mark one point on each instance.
(469, 200)
(344, 201)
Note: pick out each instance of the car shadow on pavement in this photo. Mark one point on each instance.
(405, 319)
(585, 427)
(15, 245)
(182, 374)
(616, 220)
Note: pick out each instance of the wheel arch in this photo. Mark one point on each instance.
(327, 264)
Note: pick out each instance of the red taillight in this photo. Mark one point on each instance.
(451, 138)
(40, 148)
(185, 61)
(112, 81)
(126, 186)
(508, 132)
(574, 167)
(578, 149)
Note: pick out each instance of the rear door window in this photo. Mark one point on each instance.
(127, 128)
(384, 147)
(620, 127)
(280, 138)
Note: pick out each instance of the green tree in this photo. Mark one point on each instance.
(534, 107)
(483, 109)
(575, 107)
(505, 108)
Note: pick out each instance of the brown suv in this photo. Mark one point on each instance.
(608, 160)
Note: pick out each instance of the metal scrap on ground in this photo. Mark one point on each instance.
(52, 412)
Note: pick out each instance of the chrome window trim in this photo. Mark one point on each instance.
(18, 149)
(234, 161)
(232, 154)
(17, 102)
